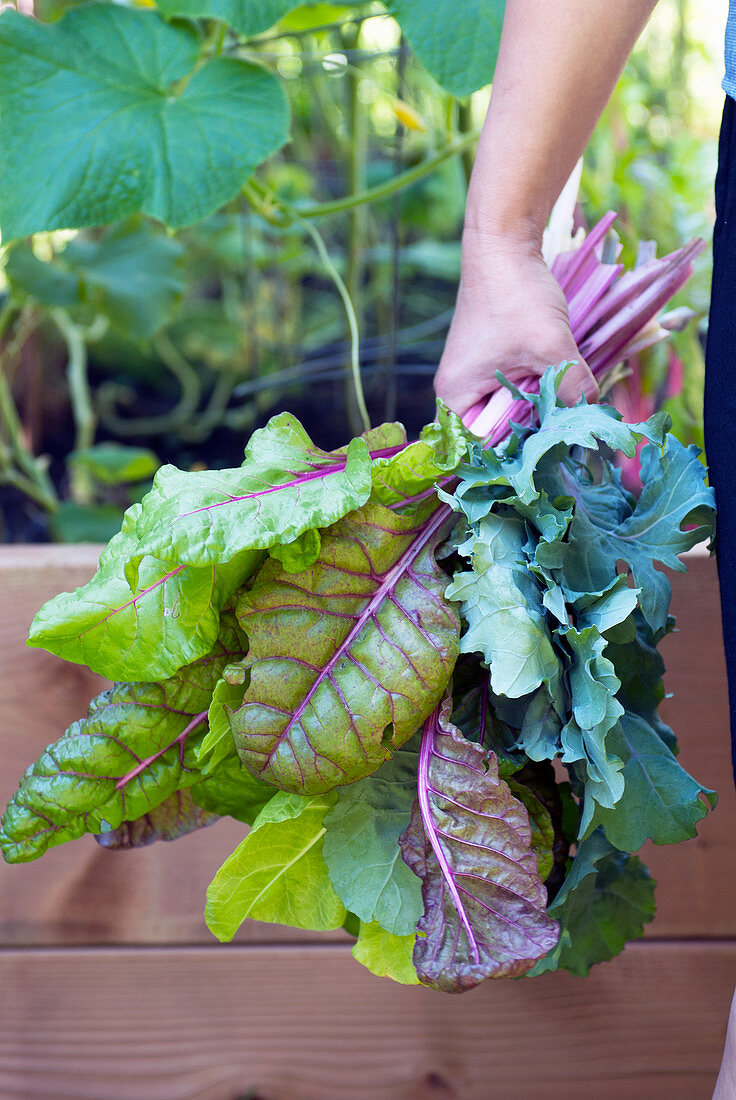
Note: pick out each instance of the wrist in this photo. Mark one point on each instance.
(488, 252)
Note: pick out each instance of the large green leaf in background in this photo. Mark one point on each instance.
(103, 114)
(456, 42)
(247, 16)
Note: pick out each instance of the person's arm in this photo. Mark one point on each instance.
(558, 64)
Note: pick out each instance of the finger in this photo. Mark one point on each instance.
(578, 380)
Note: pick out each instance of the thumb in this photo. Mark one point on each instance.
(578, 379)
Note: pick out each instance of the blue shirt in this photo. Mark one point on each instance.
(729, 83)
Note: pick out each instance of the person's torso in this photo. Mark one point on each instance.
(729, 83)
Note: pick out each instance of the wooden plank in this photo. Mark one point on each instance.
(310, 1024)
(80, 894)
(695, 894)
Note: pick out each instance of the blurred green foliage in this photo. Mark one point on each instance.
(132, 341)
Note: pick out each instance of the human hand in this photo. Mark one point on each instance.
(511, 316)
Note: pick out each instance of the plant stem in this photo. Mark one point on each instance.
(465, 126)
(82, 485)
(352, 322)
(356, 173)
(390, 385)
(84, 417)
(371, 194)
(18, 467)
(183, 411)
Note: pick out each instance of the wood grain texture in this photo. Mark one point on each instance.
(310, 1024)
(79, 894)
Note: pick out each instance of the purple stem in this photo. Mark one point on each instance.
(425, 753)
(141, 767)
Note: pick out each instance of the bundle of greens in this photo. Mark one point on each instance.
(425, 674)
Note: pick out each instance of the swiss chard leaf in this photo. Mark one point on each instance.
(348, 658)
(386, 955)
(285, 486)
(110, 111)
(217, 744)
(606, 899)
(361, 846)
(167, 620)
(176, 816)
(469, 842)
(416, 468)
(278, 873)
(230, 790)
(130, 754)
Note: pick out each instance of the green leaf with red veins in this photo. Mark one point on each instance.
(169, 619)
(131, 753)
(417, 468)
(285, 486)
(176, 816)
(349, 657)
(470, 843)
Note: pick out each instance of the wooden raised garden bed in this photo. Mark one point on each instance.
(111, 987)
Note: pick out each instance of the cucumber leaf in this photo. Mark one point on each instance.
(457, 44)
(110, 111)
(348, 658)
(469, 842)
(277, 873)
